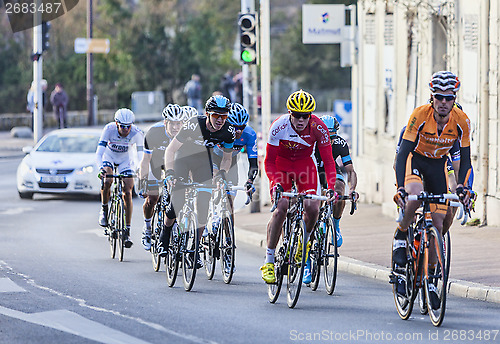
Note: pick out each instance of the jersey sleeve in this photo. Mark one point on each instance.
(229, 138)
(270, 162)
(251, 144)
(413, 126)
(325, 151)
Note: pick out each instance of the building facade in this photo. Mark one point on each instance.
(400, 44)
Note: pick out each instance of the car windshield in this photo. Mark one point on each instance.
(69, 143)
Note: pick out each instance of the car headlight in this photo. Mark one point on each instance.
(25, 168)
(86, 169)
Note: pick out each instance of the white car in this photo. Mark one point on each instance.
(64, 161)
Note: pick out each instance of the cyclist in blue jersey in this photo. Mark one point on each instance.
(245, 139)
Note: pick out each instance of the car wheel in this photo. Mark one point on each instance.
(26, 195)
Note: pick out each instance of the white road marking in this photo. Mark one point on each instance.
(8, 286)
(66, 321)
(83, 303)
(15, 211)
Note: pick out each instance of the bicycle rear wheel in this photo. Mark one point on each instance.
(297, 260)
(437, 280)
(280, 266)
(112, 236)
(405, 277)
(227, 248)
(330, 258)
(155, 237)
(190, 251)
(315, 256)
(172, 259)
(209, 245)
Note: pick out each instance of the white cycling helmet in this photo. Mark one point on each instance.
(173, 112)
(443, 81)
(189, 111)
(124, 116)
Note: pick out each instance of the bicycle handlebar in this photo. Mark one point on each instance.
(454, 202)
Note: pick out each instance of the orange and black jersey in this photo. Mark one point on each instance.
(423, 137)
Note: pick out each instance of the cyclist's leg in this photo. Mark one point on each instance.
(148, 209)
(105, 195)
(339, 206)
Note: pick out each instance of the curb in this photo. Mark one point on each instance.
(456, 287)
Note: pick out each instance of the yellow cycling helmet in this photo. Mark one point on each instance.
(301, 101)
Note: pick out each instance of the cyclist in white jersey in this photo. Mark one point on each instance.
(113, 150)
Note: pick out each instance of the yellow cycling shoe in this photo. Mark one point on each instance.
(268, 273)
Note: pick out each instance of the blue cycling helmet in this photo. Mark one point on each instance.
(218, 103)
(238, 115)
(331, 122)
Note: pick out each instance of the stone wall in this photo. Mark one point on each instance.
(75, 119)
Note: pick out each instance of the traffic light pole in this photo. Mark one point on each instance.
(37, 74)
(90, 70)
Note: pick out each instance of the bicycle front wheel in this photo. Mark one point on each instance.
(190, 251)
(112, 236)
(227, 250)
(315, 256)
(120, 214)
(296, 261)
(437, 280)
(330, 257)
(209, 246)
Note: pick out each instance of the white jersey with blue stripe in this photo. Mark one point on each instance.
(116, 147)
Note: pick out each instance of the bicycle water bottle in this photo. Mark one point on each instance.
(416, 245)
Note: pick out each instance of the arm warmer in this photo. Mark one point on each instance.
(404, 150)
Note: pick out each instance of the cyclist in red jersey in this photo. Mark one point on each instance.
(289, 159)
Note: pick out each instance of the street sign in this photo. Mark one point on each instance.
(93, 45)
(322, 24)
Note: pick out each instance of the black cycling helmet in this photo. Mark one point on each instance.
(218, 103)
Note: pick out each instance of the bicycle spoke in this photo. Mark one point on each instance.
(437, 279)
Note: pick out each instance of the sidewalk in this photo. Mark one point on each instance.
(475, 267)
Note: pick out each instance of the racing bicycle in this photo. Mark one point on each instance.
(290, 256)
(324, 249)
(424, 245)
(116, 230)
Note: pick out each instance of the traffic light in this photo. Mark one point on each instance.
(248, 38)
(45, 35)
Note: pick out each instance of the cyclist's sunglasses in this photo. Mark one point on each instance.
(239, 127)
(125, 126)
(447, 97)
(217, 115)
(299, 115)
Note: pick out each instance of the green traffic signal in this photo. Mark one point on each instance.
(248, 55)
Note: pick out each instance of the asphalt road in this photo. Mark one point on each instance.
(58, 284)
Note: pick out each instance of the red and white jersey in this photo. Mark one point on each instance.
(286, 143)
